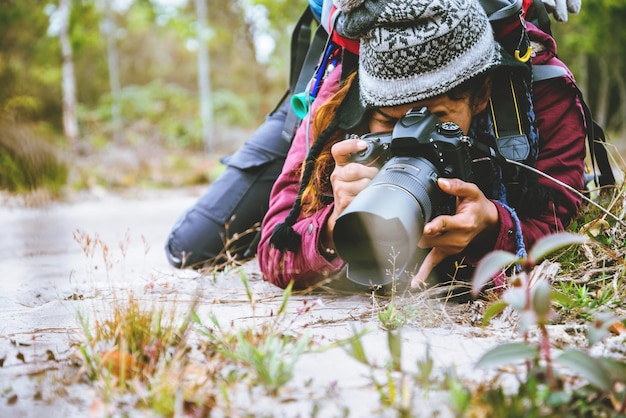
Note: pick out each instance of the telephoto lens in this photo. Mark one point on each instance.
(377, 234)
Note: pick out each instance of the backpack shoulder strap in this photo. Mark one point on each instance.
(595, 134)
(305, 53)
(300, 43)
(546, 72)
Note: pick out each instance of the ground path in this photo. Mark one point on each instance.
(46, 278)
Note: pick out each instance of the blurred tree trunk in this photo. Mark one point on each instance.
(582, 76)
(204, 78)
(68, 81)
(620, 114)
(602, 100)
(110, 30)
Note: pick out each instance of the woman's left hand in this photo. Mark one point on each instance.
(476, 217)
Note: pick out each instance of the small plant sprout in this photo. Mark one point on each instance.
(392, 318)
(267, 352)
(532, 297)
(396, 390)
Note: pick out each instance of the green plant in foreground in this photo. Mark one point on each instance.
(392, 318)
(581, 301)
(396, 390)
(146, 356)
(544, 392)
(268, 349)
(272, 358)
(140, 349)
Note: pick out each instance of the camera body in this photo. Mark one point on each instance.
(377, 234)
(419, 134)
(377, 152)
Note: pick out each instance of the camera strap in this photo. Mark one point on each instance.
(510, 122)
(512, 127)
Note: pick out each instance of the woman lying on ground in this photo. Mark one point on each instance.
(441, 55)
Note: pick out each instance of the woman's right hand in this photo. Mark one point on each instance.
(348, 178)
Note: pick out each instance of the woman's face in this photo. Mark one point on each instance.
(446, 109)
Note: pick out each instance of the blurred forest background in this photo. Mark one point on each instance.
(108, 93)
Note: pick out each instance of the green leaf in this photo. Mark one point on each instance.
(527, 320)
(561, 298)
(542, 305)
(286, 295)
(551, 243)
(215, 321)
(515, 297)
(394, 341)
(489, 266)
(355, 348)
(587, 367)
(246, 285)
(616, 368)
(599, 327)
(507, 354)
(559, 398)
(493, 310)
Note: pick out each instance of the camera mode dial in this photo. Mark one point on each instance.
(450, 130)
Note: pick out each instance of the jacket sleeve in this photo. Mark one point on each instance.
(307, 265)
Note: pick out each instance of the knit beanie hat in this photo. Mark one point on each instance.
(412, 50)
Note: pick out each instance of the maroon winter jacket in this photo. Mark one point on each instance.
(561, 124)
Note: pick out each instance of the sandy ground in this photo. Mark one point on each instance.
(47, 280)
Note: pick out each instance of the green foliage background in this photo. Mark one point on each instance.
(158, 73)
(593, 45)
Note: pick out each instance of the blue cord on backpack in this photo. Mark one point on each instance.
(300, 102)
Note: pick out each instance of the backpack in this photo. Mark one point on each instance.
(505, 13)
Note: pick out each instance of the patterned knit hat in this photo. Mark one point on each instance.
(412, 50)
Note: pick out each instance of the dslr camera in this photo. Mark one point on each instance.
(377, 234)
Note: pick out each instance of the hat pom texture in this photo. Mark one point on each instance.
(412, 50)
